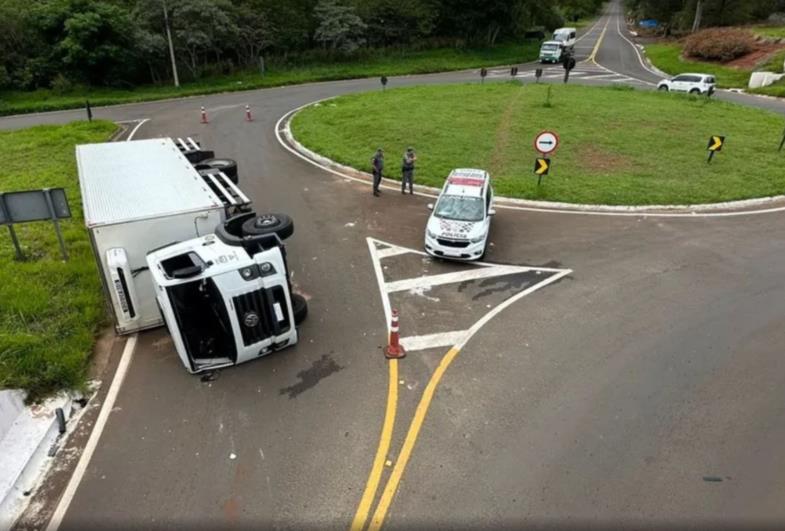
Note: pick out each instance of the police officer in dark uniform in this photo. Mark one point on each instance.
(377, 162)
(407, 170)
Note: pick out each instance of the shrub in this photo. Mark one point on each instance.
(719, 44)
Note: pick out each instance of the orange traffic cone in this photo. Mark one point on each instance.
(394, 350)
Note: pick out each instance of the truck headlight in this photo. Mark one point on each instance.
(248, 273)
(267, 269)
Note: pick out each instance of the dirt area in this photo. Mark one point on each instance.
(763, 52)
(600, 161)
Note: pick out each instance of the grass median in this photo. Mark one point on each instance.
(50, 310)
(376, 63)
(618, 146)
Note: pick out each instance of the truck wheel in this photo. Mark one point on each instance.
(279, 224)
(228, 166)
(299, 308)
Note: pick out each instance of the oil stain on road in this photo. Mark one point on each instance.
(319, 369)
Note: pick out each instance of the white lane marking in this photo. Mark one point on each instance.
(634, 47)
(494, 312)
(543, 210)
(377, 267)
(392, 251)
(456, 337)
(452, 278)
(141, 122)
(95, 435)
(440, 339)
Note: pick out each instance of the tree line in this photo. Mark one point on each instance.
(690, 15)
(122, 43)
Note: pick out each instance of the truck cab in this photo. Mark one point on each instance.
(226, 297)
(551, 52)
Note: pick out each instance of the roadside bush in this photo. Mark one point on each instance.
(719, 44)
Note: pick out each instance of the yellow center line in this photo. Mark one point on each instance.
(591, 59)
(411, 438)
(381, 453)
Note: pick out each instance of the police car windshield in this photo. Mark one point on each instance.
(459, 208)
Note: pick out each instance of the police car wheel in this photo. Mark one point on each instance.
(299, 308)
(279, 224)
(663, 87)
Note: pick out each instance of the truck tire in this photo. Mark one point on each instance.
(228, 166)
(299, 308)
(279, 224)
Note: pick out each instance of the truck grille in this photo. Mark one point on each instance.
(257, 316)
(453, 243)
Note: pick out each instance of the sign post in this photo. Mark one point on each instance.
(483, 73)
(53, 214)
(537, 74)
(545, 143)
(89, 111)
(384, 82)
(5, 218)
(715, 144)
(513, 71)
(783, 140)
(34, 205)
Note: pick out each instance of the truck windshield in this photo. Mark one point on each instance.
(459, 208)
(550, 47)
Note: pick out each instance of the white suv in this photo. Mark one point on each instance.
(458, 227)
(692, 83)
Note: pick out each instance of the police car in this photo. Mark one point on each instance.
(458, 227)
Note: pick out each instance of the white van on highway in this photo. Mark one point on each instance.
(566, 36)
(458, 227)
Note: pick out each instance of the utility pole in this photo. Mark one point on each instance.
(171, 46)
(696, 24)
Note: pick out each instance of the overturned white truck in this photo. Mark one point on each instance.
(177, 243)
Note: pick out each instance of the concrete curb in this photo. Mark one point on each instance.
(27, 434)
(739, 207)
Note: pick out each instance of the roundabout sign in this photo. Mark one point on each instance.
(546, 142)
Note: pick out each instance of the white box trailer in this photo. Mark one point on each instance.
(139, 196)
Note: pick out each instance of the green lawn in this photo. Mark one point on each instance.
(388, 63)
(619, 146)
(774, 32)
(777, 89)
(667, 57)
(50, 309)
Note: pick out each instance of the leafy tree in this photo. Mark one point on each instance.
(399, 22)
(339, 28)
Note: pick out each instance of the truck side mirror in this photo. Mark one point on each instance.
(492, 212)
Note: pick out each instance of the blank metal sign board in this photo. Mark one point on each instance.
(31, 205)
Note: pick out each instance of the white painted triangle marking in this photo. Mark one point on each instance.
(440, 339)
(380, 250)
(452, 278)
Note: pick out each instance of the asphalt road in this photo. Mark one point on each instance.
(645, 388)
